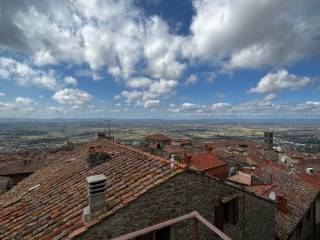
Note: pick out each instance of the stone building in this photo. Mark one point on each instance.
(129, 191)
(157, 141)
(298, 201)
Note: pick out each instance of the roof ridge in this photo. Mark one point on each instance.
(178, 164)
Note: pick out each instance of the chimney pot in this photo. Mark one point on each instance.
(282, 204)
(96, 187)
(96, 156)
(187, 159)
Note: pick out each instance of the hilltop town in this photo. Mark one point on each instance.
(163, 187)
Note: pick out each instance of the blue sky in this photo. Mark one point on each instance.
(160, 59)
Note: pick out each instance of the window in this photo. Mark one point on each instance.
(226, 212)
(162, 234)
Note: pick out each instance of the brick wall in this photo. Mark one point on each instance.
(186, 192)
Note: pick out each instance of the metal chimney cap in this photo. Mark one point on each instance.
(96, 178)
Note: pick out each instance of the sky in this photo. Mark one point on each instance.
(168, 59)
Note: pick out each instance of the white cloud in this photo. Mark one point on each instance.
(308, 107)
(220, 106)
(151, 104)
(70, 80)
(6, 107)
(24, 101)
(238, 34)
(131, 96)
(70, 96)
(191, 107)
(160, 88)
(44, 57)
(192, 79)
(281, 80)
(128, 39)
(2, 94)
(271, 97)
(140, 82)
(117, 97)
(24, 75)
(162, 50)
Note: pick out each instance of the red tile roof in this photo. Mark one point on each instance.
(298, 193)
(158, 137)
(170, 149)
(262, 190)
(313, 179)
(51, 201)
(204, 161)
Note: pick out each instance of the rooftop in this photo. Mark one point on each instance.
(158, 137)
(299, 194)
(204, 161)
(313, 179)
(241, 178)
(50, 202)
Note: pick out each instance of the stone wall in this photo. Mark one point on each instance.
(182, 194)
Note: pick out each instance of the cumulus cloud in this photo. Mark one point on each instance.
(70, 80)
(236, 34)
(280, 80)
(2, 94)
(191, 80)
(131, 96)
(25, 75)
(130, 43)
(220, 106)
(70, 96)
(24, 101)
(152, 104)
(140, 82)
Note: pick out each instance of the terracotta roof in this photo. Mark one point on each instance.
(204, 161)
(173, 149)
(157, 137)
(313, 179)
(241, 178)
(298, 193)
(262, 190)
(50, 202)
(295, 154)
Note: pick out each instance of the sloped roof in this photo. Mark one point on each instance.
(50, 202)
(299, 195)
(262, 190)
(173, 149)
(157, 137)
(313, 179)
(204, 161)
(241, 178)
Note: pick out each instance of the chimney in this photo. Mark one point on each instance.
(187, 159)
(207, 148)
(282, 204)
(96, 186)
(96, 156)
